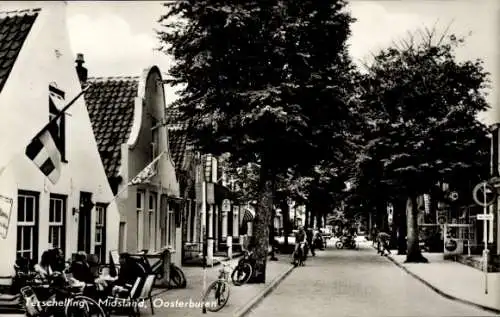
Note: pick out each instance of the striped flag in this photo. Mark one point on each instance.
(43, 149)
(146, 174)
(44, 153)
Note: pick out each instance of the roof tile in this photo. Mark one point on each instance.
(111, 116)
(14, 29)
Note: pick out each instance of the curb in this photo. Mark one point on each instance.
(245, 310)
(440, 292)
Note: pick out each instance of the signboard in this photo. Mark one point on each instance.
(453, 245)
(5, 211)
(210, 193)
(485, 217)
(479, 194)
(226, 205)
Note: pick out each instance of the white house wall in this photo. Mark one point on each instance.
(24, 110)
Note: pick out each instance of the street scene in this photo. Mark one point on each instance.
(249, 158)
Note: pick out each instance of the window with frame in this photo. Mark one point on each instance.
(171, 224)
(57, 221)
(58, 128)
(100, 232)
(27, 225)
(140, 219)
(151, 220)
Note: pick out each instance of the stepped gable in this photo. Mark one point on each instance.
(14, 29)
(110, 102)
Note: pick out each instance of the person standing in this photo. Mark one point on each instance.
(309, 237)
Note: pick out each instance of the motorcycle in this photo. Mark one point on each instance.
(346, 242)
(319, 243)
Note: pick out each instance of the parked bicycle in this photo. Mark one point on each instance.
(177, 279)
(244, 270)
(220, 289)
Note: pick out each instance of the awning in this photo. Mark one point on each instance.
(248, 216)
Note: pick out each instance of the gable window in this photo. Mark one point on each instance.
(58, 128)
(27, 225)
(57, 221)
(140, 219)
(100, 232)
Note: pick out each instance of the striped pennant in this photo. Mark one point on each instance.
(44, 153)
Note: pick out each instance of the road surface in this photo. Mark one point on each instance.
(356, 283)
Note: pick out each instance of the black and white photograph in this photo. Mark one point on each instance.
(245, 158)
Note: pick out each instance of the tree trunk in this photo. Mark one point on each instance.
(285, 210)
(262, 222)
(306, 215)
(394, 228)
(400, 212)
(319, 219)
(413, 254)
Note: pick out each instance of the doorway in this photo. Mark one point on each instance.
(84, 222)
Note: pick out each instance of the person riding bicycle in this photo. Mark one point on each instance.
(300, 240)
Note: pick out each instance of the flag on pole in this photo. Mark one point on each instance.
(43, 150)
(44, 153)
(147, 173)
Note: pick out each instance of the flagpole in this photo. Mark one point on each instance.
(62, 111)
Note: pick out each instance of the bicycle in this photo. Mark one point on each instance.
(177, 279)
(244, 270)
(71, 296)
(221, 288)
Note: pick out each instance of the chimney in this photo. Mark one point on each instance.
(80, 70)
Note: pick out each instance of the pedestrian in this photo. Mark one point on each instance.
(374, 235)
(309, 237)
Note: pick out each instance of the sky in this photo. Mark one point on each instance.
(118, 37)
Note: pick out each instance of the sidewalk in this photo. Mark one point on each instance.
(454, 280)
(241, 298)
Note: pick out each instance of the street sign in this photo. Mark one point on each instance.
(485, 217)
(226, 205)
(479, 194)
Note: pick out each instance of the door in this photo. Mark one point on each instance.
(84, 222)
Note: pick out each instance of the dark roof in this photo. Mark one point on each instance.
(110, 102)
(177, 145)
(14, 29)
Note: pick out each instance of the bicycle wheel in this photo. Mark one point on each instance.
(83, 306)
(177, 277)
(216, 295)
(241, 274)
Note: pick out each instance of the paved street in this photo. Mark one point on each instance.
(356, 283)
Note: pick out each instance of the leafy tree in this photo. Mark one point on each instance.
(259, 84)
(422, 104)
